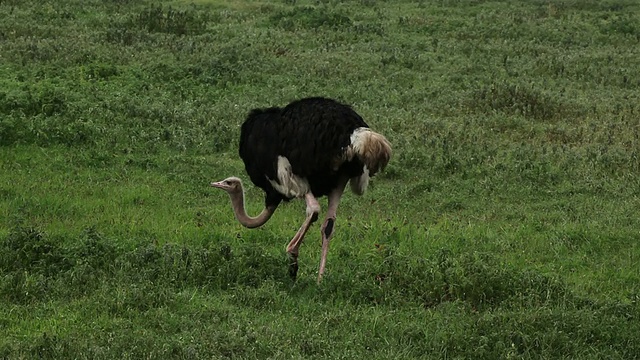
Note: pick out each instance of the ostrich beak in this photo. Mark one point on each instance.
(219, 184)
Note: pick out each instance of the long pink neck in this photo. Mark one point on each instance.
(237, 202)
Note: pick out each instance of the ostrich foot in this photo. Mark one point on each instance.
(293, 266)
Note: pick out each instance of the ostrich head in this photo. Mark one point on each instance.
(232, 185)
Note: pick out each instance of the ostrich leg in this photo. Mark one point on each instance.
(313, 208)
(329, 222)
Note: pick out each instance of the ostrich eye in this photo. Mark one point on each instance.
(226, 182)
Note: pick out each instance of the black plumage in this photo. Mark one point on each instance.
(311, 133)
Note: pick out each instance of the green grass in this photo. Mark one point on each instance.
(505, 225)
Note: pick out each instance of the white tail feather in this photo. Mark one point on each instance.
(359, 183)
(373, 149)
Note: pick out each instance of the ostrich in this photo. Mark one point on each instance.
(308, 149)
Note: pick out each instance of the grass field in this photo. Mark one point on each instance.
(505, 226)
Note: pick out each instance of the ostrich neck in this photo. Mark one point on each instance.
(237, 201)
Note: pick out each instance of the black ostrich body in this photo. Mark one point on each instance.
(310, 133)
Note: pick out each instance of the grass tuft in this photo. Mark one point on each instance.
(310, 17)
(517, 100)
(168, 20)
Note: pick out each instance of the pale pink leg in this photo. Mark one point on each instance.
(313, 208)
(327, 226)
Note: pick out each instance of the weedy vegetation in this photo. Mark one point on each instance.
(505, 226)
